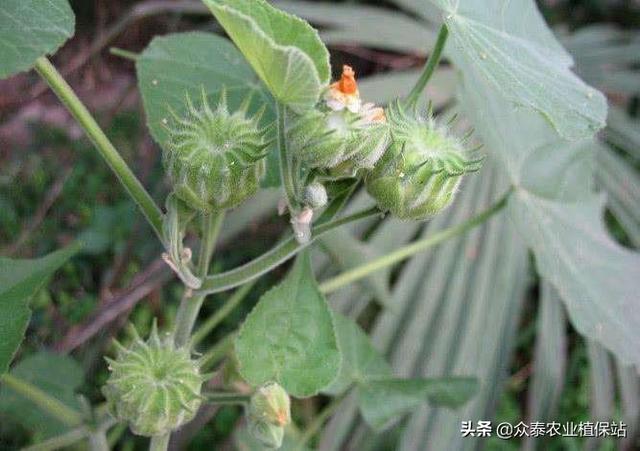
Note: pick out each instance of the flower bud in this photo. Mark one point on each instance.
(153, 386)
(342, 135)
(271, 404)
(269, 413)
(215, 159)
(419, 174)
(315, 195)
(269, 435)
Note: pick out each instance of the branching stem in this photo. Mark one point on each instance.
(429, 67)
(106, 149)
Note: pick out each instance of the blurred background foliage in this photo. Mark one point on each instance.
(473, 305)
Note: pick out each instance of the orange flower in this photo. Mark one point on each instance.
(344, 93)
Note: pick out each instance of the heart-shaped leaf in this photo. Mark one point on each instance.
(30, 29)
(289, 336)
(360, 360)
(384, 400)
(509, 47)
(20, 280)
(284, 50)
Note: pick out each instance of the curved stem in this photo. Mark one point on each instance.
(98, 441)
(159, 442)
(317, 422)
(278, 255)
(60, 441)
(43, 400)
(218, 351)
(215, 319)
(190, 305)
(429, 68)
(101, 142)
(364, 270)
(286, 168)
(221, 398)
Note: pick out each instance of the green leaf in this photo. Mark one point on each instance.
(182, 64)
(289, 336)
(20, 280)
(360, 360)
(284, 50)
(508, 47)
(597, 279)
(30, 29)
(57, 375)
(383, 400)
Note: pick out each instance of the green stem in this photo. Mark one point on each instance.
(215, 319)
(317, 422)
(61, 441)
(98, 441)
(227, 399)
(43, 400)
(105, 148)
(276, 256)
(429, 68)
(190, 305)
(218, 351)
(364, 270)
(159, 442)
(122, 53)
(286, 167)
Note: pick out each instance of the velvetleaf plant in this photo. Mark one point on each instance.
(218, 139)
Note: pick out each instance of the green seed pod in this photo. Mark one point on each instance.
(215, 159)
(153, 386)
(337, 140)
(419, 174)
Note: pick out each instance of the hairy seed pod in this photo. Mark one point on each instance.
(419, 174)
(342, 134)
(153, 386)
(215, 159)
(269, 413)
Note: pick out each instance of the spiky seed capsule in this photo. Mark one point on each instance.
(419, 174)
(269, 413)
(342, 135)
(215, 159)
(153, 386)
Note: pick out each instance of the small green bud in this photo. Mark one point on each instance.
(269, 413)
(215, 159)
(315, 195)
(269, 435)
(419, 174)
(153, 386)
(271, 404)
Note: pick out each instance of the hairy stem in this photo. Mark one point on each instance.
(316, 424)
(60, 441)
(98, 441)
(215, 319)
(43, 400)
(218, 351)
(364, 270)
(287, 175)
(275, 257)
(221, 398)
(429, 68)
(159, 442)
(106, 149)
(190, 305)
